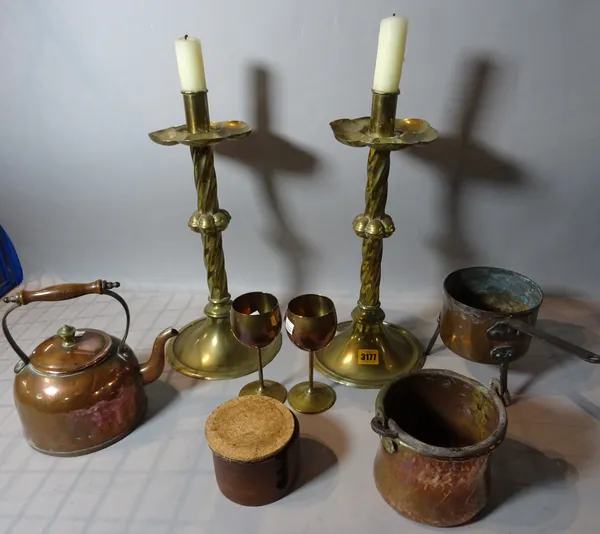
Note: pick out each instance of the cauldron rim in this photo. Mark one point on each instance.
(480, 448)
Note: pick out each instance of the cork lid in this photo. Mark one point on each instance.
(249, 429)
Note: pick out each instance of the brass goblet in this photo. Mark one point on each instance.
(256, 322)
(311, 324)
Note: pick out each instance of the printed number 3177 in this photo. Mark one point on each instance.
(368, 356)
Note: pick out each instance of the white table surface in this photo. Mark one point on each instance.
(159, 480)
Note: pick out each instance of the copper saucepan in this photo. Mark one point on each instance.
(489, 315)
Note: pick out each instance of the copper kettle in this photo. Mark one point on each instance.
(81, 390)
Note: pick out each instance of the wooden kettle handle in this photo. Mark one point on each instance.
(61, 292)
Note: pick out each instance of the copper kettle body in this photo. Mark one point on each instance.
(81, 390)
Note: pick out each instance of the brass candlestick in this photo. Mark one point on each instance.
(368, 352)
(206, 348)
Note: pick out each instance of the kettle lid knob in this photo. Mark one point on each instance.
(67, 334)
(71, 351)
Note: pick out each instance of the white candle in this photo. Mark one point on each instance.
(190, 64)
(390, 54)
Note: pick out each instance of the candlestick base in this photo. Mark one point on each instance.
(207, 349)
(369, 355)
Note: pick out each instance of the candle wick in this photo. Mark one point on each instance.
(393, 14)
(185, 36)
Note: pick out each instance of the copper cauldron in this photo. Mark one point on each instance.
(438, 430)
(80, 390)
(489, 316)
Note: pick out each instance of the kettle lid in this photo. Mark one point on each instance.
(71, 350)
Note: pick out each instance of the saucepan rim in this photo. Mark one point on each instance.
(479, 311)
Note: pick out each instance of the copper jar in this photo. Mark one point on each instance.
(256, 451)
(438, 430)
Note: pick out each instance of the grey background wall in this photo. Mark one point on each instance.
(514, 180)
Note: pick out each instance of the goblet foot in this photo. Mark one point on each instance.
(316, 400)
(270, 388)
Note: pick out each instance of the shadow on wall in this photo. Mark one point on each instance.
(273, 159)
(462, 161)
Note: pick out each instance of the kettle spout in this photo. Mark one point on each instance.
(155, 365)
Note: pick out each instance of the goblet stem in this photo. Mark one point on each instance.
(261, 379)
(311, 364)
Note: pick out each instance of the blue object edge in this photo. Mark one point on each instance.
(11, 273)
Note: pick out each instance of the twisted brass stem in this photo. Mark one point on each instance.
(214, 260)
(383, 113)
(370, 272)
(205, 180)
(378, 170)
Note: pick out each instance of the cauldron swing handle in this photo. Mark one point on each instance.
(507, 330)
(380, 428)
(387, 431)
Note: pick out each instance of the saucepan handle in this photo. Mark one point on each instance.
(61, 292)
(502, 329)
